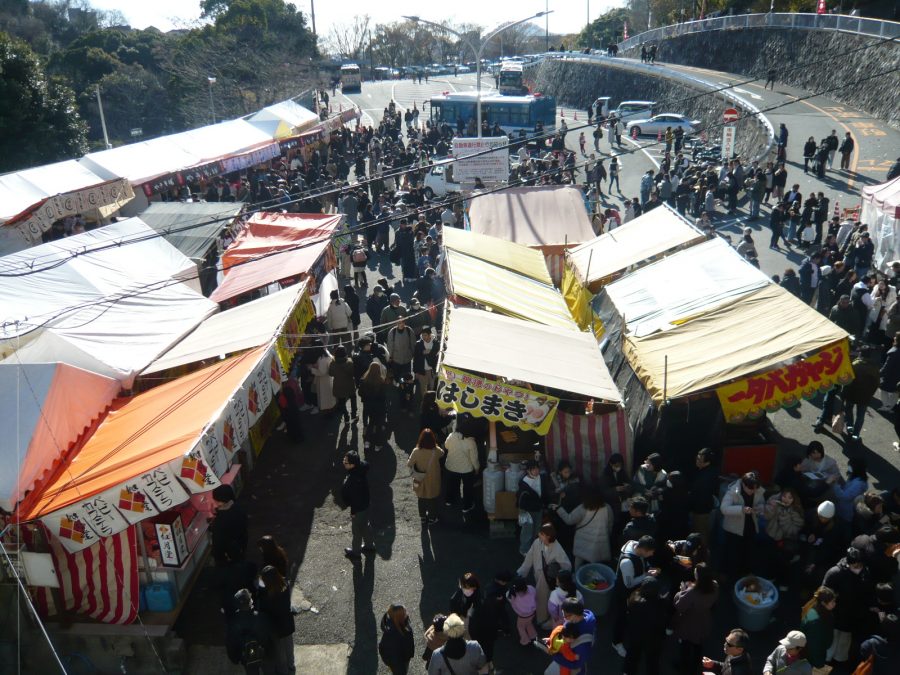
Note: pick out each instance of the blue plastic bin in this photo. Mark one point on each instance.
(596, 601)
(754, 618)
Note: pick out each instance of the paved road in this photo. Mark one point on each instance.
(291, 493)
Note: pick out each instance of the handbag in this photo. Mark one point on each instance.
(419, 476)
(838, 425)
(551, 571)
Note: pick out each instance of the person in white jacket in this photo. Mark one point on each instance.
(322, 381)
(545, 557)
(462, 465)
(593, 521)
(338, 319)
(742, 506)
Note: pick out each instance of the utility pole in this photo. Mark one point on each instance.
(102, 119)
(547, 25)
(212, 106)
(312, 15)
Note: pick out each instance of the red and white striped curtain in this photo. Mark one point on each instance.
(587, 441)
(100, 581)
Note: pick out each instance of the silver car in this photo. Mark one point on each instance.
(658, 124)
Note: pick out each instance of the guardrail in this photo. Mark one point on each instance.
(836, 22)
(658, 70)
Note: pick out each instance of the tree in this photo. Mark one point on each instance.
(605, 29)
(349, 40)
(42, 125)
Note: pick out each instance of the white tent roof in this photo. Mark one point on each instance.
(44, 408)
(563, 359)
(111, 309)
(289, 111)
(218, 140)
(648, 235)
(26, 189)
(243, 327)
(140, 162)
(681, 285)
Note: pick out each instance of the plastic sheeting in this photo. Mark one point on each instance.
(652, 234)
(44, 408)
(881, 211)
(287, 114)
(243, 327)
(541, 217)
(196, 225)
(751, 334)
(111, 309)
(562, 359)
(692, 281)
(506, 292)
(515, 257)
(272, 247)
(141, 162)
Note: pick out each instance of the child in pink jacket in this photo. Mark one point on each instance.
(523, 599)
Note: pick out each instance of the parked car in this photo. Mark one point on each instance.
(658, 123)
(632, 110)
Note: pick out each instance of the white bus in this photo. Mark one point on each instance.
(509, 81)
(350, 78)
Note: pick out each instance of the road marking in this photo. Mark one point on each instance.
(741, 91)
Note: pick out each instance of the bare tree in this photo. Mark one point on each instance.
(349, 40)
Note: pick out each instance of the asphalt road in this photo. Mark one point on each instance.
(291, 492)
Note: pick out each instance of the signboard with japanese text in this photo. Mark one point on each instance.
(729, 134)
(491, 163)
(173, 549)
(785, 387)
(495, 401)
(149, 495)
(288, 340)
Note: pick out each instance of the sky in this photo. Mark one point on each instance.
(569, 16)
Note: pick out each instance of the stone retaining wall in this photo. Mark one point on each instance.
(840, 58)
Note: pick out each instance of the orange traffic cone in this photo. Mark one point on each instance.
(562, 113)
(575, 116)
(634, 132)
(658, 136)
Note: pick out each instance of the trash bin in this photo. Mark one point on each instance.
(753, 617)
(598, 601)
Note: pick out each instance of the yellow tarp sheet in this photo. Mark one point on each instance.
(515, 257)
(754, 333)
(578, 299)
(506, 292)
(645, 237)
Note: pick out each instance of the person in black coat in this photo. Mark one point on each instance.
(405, 243)
(274, 603)
(851, 581)
(375, 305)
(646, 616)
(355, 495)
(228, 528)
(674, 513)
(703, 491)
(397, 644)
(352, 300)
(495, 613)
(248, 637)
(468, 602)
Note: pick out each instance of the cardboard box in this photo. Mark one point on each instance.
(505, 506)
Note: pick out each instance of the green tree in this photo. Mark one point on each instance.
(39, 122)
(605, 29)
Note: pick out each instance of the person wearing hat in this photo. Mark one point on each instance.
(787, 658)
(852, 583)
(821, 543)
(389, 317)
(737, 660)
(458, 656)
(376, 304)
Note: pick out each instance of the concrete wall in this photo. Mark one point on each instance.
(840, 58)
(577, 82)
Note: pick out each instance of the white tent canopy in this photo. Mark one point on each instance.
(243, 327)
(141, 162)
(293, 114)
(44, 408)
(881, 212)
(218, 140)
(559, 358)
(111, 309)
(696, 279)
(648, 235)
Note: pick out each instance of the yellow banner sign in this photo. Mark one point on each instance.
(785, 387)
(498, 402)
(289, 339)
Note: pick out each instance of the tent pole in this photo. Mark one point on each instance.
(665, 377)
(492, 441)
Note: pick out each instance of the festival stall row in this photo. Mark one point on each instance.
(550, 219)
(701, 361)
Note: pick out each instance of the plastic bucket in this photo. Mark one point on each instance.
(752, 617)
(596, 601)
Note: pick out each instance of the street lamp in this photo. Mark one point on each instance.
(477, 52)
(212, 107)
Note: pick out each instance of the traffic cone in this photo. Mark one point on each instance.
(658, 136)
(575, 116)
(634, 132)
(562, 113)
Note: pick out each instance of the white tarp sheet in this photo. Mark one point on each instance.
(881, 212)
(243, 327)
(140, 162)
(111, 309)
(563, 359)
(215, 141)
(696, 279)
(44, 408)
(294, 114)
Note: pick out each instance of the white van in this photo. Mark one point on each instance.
(634, 109)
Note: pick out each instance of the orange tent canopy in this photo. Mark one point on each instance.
(144, 432)
(290, 242)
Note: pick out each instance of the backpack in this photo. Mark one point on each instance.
(358, 255)
(253, 652)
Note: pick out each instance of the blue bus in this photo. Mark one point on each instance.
(512, 113)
